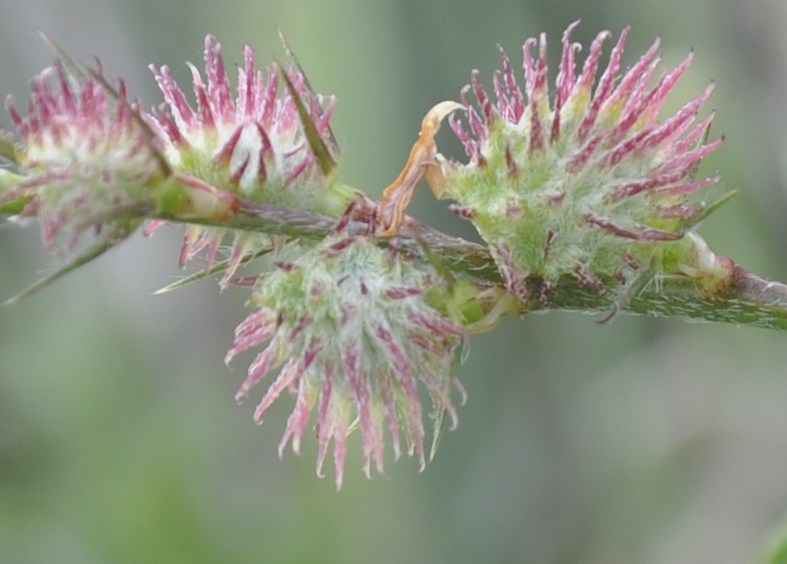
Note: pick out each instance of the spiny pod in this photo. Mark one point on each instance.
(354, 330)
(591, 183)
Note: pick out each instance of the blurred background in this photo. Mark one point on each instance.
(644, 441)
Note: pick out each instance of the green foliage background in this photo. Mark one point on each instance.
(644, 441)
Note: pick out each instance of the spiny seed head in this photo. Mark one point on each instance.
(590, 184)
(84, 155)
(355, 329)
(269, 140)
(252, 141)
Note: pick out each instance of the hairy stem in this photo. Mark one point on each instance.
(747, 299)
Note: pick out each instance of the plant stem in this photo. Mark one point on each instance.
(748, 299)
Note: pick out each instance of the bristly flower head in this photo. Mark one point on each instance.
(355, 328)
(252, 142)
(269, 142)
(84, 156)
(590, 184)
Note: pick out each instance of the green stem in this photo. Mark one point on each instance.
(744, 298)
(747, 299)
